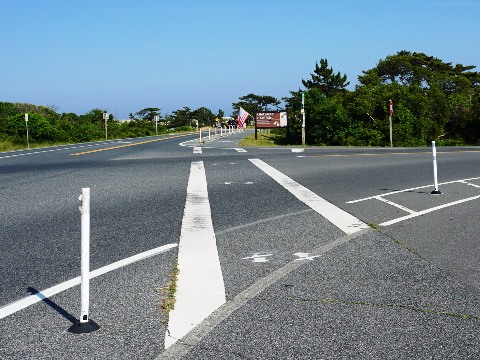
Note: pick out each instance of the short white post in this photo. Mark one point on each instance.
(85, 251)
(209, 131)
(85, 325)
(434, 150)
(200, 141)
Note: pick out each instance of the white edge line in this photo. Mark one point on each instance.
(32, 299)
(394, 221)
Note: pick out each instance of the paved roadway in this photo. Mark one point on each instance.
(296, 286)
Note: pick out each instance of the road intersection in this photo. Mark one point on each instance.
(296, 285)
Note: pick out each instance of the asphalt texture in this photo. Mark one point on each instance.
(408, 290)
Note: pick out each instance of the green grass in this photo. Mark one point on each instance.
(6, 145)
(263, 139)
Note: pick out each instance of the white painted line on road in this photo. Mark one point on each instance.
(470, 184)
(298, 150)
(396, 205)
(240, 150)
(197, 150)
(180, 349)
(411, 189)
(340, 218)
(32, 299)
(200, 286)
(411, 216)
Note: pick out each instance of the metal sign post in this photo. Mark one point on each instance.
(156, 124)
(105, 117)
(26, 124)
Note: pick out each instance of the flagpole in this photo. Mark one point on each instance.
(303, 120)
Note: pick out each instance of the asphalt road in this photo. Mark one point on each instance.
(407, 290)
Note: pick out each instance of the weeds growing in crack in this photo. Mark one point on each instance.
(392, 306)
(168, 303)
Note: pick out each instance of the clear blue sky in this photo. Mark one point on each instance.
(123, 56)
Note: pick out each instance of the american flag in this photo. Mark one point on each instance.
(242, 117)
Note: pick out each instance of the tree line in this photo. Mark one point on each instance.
(432, 100)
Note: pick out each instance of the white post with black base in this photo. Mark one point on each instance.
(85, 325)
(434, 150)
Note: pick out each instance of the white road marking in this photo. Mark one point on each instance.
(411, 189)
(240, 150)
(340, 218)
(411, 216)
(200, 286)
(298, 150)
(32, 299)
(197, 150)
(258, 258)
(305, 256)
(395, 205)
(470, 184)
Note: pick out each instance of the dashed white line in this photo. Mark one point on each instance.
(197, 150)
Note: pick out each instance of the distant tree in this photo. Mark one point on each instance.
(253, 103)
(204, 116)
(433, 99)
(181, 117)
(220, 113)
(148, 114)
(324, 79)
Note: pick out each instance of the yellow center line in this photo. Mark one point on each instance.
(127, 145)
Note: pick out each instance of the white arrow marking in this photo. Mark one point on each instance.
(305, 256)
(257, 257)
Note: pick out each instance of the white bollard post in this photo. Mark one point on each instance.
(200, 141)
(209, 131)
(85, 325)
(435, 180)
(85, 251)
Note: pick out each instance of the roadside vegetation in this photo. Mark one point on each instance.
(432, 100)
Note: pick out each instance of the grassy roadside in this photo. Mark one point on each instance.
(263, 139)
(8, 146)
